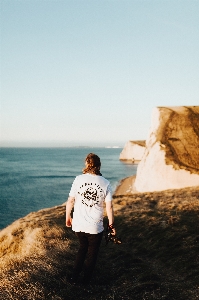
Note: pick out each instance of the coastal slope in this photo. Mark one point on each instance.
(158, 257)
(171, 159)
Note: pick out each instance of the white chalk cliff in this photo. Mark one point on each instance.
(133, 150)
(171, 158)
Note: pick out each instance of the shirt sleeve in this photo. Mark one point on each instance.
(108, 197)
(73, 189)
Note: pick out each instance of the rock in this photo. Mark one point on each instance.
(133, 151)
(171, 159)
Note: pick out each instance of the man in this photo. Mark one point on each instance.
(88, 193)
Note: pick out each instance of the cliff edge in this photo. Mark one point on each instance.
(38, 251)
(171, 159)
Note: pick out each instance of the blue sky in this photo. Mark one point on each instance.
(79, 72)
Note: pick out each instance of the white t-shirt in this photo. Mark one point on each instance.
(90, 191)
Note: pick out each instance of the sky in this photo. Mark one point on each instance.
(90, 72)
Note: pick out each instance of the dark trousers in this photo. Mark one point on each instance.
(88, 251)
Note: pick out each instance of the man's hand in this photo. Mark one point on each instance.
(69, 206)
(69, 222)
(113, 231)
(110, 215)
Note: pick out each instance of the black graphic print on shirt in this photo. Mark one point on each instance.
(91, 194)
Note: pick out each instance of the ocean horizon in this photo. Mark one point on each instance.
(40, 177)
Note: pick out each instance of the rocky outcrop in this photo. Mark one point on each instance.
(133, 151)
(171, 159)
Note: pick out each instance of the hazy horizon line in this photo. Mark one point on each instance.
(60, 145)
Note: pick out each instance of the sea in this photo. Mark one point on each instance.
(35, 178)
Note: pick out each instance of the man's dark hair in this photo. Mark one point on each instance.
(93, 164)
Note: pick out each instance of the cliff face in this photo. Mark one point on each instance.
(171, 159)
(133, 150)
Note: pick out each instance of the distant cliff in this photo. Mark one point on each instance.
(171, 159)
(133, 150)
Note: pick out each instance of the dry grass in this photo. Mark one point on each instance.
(158, 259)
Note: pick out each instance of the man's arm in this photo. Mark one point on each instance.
(69, 206)
(110, 215)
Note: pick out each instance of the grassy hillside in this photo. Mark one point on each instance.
(158, 259)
